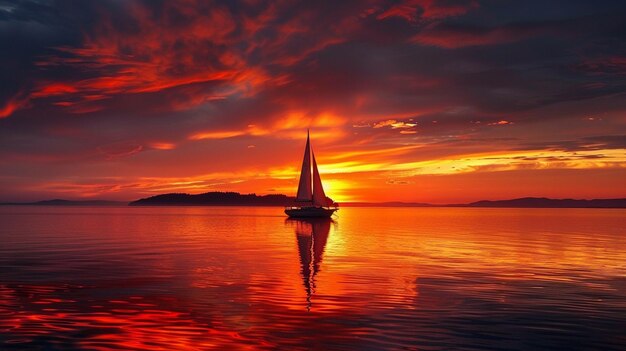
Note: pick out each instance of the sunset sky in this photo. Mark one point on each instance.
(436, 101)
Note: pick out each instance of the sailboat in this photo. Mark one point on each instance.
(311, 198)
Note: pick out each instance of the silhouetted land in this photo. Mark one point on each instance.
(237, 199)
(215, 199)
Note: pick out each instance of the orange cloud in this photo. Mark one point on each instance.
(291, 126)
(216, 135)
(394, 124)
(163, 146)
(500, 123)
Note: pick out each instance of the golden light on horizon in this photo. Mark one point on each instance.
(338, 189)
(361, 175)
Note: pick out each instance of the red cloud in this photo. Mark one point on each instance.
(206, 57)
(427, 9)
(13, 104)
(160, 54)
(54, 89)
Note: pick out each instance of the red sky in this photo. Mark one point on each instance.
(420, 100)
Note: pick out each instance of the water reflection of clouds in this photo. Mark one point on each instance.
(30, 316)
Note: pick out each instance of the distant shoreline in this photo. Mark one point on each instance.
(279, 200)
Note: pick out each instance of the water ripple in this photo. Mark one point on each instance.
(374, 279)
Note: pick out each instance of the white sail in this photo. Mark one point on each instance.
(304, 188)
(319, 197)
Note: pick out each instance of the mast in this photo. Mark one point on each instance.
(304, 188)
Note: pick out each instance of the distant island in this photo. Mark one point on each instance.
(237, 199)
(215, 199)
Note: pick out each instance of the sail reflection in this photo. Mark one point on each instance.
(311, 235)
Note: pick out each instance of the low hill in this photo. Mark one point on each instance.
(215, 199)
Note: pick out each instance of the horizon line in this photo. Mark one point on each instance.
(623, 197)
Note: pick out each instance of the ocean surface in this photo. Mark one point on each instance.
(246, 278)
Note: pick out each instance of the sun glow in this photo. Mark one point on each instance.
(338, 189)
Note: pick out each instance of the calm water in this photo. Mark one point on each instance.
(190, 278)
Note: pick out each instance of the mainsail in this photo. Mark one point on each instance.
(312, 192)
(304, 188)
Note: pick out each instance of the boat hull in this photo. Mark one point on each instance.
(310, 212)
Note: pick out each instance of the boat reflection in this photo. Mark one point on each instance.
(311, 235)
